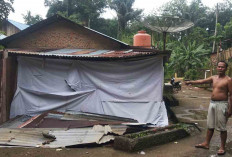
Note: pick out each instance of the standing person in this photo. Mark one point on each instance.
(220, 108)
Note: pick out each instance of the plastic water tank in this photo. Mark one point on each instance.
(142, 39)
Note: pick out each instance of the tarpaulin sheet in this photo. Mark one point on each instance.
(131, 89)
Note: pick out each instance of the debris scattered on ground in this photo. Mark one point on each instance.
(142, 153)
(82, 129)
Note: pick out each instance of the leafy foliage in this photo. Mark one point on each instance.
(228, 33)
(190, 48)
(106, 26)
(30, 20)
(125, 13)
(187, 57)
(199, 35)
(83, 12)
(176, 8)
(5, 8)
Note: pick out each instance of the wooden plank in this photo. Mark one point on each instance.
(11, 83)
(3, 115)
(1, 120)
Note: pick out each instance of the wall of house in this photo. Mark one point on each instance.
(9, 29)
(63, 34)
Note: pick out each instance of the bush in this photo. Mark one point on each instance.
(191, 74)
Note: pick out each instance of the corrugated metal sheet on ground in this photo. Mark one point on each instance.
(16, 122)
(73, 137)
(58, 123)
(83, 53)
(76, 115)
(73, 120)
(97, 134)
(54, 138)
(22, 137)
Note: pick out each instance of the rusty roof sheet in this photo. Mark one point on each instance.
(53, 138)
(61, 120)
(74, 137)
(23, 137)
(87, 54)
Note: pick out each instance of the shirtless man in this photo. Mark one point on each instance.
(220, 108)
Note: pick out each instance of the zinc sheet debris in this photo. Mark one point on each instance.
(87, 54)
(23, 137)
(54, 138)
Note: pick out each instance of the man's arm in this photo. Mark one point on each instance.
(230, 97)
(204, 81)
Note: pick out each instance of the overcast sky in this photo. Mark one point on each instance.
(37, 7)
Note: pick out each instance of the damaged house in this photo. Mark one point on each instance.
(58, 65)
(11, 27)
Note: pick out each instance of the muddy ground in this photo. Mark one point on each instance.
(193, 105)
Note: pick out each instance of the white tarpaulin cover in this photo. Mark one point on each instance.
(131, 89)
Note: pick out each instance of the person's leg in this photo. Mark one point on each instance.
(209, 136)
(211, 125)
(206, 143)
(223, 141)
(221, 125)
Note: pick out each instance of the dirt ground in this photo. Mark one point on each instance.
(193, 105)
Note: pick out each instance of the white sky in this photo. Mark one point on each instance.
(37, 7)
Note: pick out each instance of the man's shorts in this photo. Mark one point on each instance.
(217, 115)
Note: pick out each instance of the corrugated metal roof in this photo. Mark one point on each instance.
(16, 122)
(2, 36)
(23, 137)
(79, 120)
(95, 116)
(20, 26)
(74, 137)
(97, 134)
(52, 138)
(87, 53)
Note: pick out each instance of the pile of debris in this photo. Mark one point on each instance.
(56, 130)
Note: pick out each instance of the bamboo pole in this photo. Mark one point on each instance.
(215, 33)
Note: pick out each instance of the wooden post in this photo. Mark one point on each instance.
(211, 66)
(215, 33)
(3, 115)
(164, 40)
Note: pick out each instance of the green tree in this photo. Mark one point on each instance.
(224, 15)
(5, 8)
(125, 13)
(188, 57)
(106, 26)
(199, 35)
(83, 12)
(228, 30)
(197, 13)
(228, 34)
(225, 12)
(30, 20)
(176, 8)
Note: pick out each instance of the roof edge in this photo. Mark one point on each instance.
(50, 20)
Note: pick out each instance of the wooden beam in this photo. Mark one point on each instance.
(3, 115)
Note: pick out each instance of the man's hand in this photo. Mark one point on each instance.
(187, 82)
(229, 114)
